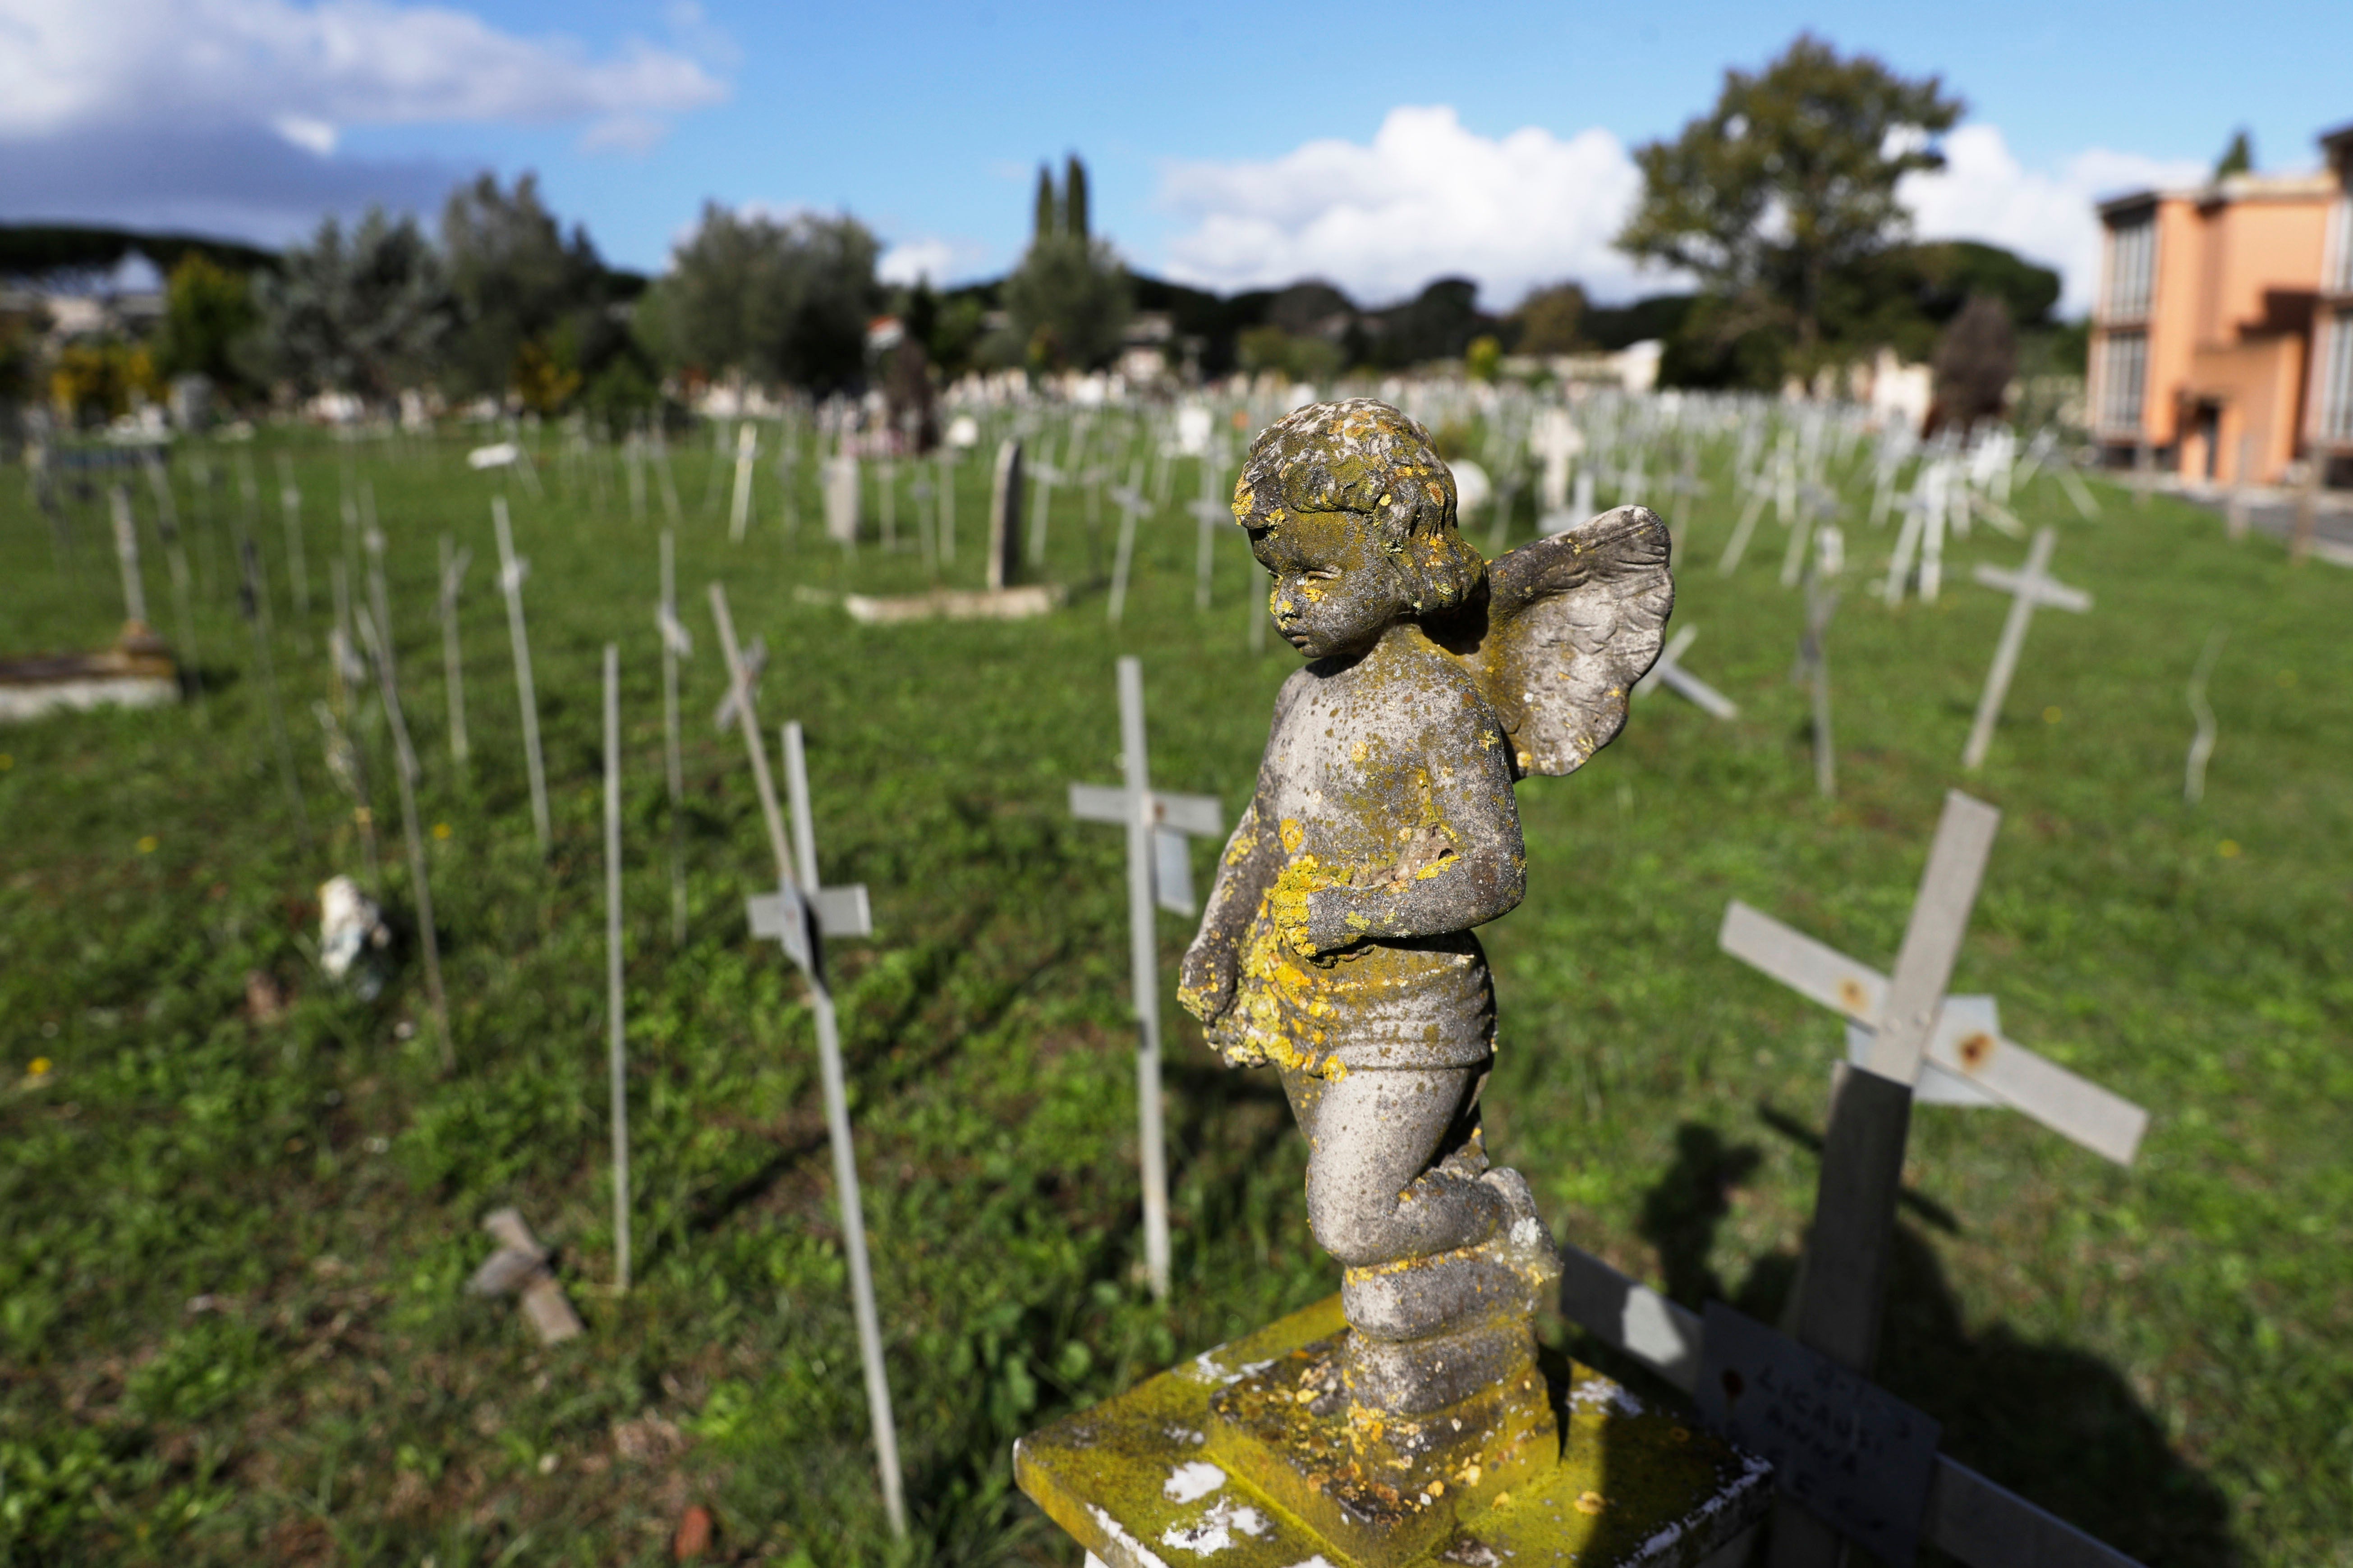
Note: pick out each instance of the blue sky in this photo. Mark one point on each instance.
(1376, 144)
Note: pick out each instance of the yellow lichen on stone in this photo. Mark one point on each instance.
(1293, 835)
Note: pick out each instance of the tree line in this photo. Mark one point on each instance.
(1779, 203)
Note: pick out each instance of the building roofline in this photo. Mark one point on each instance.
(2332, 141)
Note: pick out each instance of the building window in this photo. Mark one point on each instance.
(2124, 380)
(2336, 380)
(2132, 268)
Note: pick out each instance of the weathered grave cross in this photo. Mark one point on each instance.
(798, 916)
(1842, 1285)
(2034, 587)
(1132, 503)
(1957, 1043)
(512, 570)
(1669, 673)
(1813, 669)
(1159, 869)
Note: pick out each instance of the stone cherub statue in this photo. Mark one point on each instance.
(1338, 944)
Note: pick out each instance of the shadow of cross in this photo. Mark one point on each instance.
(798, 916)
(1669, 672)
(1159, 868)
(1838, 1298)
(2033, 588)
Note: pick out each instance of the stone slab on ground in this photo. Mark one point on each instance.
(137, 671)
(1133, 1482)
(956, 604)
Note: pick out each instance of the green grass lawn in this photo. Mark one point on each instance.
(232, 1328)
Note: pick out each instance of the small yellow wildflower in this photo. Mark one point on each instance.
(40, 1068)
(2229, 848)
(2051, 715)
(440, 830)
(148, 844)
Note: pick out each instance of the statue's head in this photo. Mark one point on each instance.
(1351, 510)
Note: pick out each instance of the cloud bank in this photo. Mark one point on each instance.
(1428, 198)
(229, 113)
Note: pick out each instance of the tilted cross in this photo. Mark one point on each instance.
(755, 660)
(798, 916)
(2033, 588)
(1669, 672)
(1130, 499)
(1159, 869)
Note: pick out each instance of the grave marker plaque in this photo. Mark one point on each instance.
(1855, 1455)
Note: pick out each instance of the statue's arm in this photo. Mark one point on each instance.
(1204, 983)
(1461, 871)
(1253, 858)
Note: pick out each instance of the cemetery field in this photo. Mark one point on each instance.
(241, 1206)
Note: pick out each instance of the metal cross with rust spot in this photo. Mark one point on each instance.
(1966, 1059)
(1842, 1286)
(1159, 868)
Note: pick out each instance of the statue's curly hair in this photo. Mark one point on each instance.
(1366, 458)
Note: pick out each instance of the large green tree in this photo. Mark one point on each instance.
(517, 281)
(207, 311)
(779, 300)
(360, 312)
(1789, 180)
(1069, 300)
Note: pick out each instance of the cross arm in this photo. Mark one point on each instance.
(2038, 1088)
(2042, 590)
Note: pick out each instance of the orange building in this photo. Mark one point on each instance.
(2213, 302)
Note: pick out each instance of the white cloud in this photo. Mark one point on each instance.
(1983, 193)
(1428, 198)
(929, 257)
(1425, 199)
(335, 63)
(245, 102)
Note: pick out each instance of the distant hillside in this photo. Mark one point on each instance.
(33, 250)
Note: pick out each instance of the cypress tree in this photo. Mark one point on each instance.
(2239, 158)
(1046, 224)
(1074, 198)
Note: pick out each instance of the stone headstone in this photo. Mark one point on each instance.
(841, 498)
(1004, 517)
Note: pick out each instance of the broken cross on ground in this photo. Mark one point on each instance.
(520, 1266)
(799, 915)
(1669, 673)
(1159, 869)
(2033, 588)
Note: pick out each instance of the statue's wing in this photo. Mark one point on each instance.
(1572, 621)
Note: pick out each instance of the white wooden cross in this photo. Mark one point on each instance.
(454, 563)
(2033, 588)
(126, 555)
(1132, 503)
(798, 916)
(739, 506)
(1159, 869)
(1961, 1046)
(512, 570)
(755, 659)
(1042, 478)
(1814, 666)
(1669, 673)
(676, 644)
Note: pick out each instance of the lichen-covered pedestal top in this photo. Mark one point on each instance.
(1139, 1482)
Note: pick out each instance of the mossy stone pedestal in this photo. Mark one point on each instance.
(1244, 1457)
